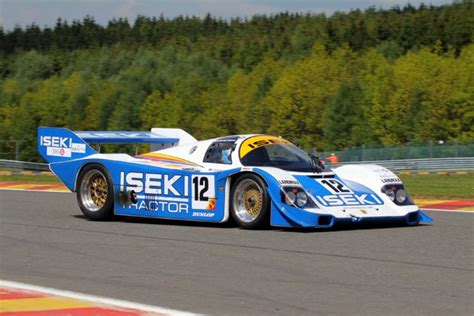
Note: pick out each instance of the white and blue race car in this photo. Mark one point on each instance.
(254, 179)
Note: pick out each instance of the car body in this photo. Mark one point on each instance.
(255, 179)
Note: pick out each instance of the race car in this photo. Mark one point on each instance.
(256, 180)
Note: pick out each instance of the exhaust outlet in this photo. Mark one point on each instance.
(128, 197)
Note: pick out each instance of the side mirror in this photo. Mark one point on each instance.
(318, 164)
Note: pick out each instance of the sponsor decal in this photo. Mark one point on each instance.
(156, 184)
(157, 205)
(391, 180)
(56, 141)
(212, 205)
(288, 182)
(61, 146)
(387, 176)
(259, 141)
(342, 195)
(78, 148)
(204, 214)
(60, 152)
(349, 199)
(382, 170)
(171, 193)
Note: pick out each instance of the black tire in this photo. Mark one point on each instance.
(249, 202)
(95, 193)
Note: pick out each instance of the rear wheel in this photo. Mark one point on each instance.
(95, 192)
(250, 202)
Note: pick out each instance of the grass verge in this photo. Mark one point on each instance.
(29, 178)
(450, 186)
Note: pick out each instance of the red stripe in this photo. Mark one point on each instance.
(451, 204)
(6, 294)
(9, 184)
(42, 187)
(32, 186)
(87, 311)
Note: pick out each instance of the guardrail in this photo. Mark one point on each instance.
(461, 163)
(23, 165)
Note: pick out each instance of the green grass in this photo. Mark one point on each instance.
(448, 186)
(33, 178)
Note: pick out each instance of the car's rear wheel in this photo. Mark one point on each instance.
(95, 192)
(250, 202)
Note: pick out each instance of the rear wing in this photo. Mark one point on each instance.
(108, 137)
(60, 144)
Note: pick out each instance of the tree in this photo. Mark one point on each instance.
(341, 116)
(31, 66)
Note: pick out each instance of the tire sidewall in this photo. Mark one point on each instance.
(106, 211)
(262, 220)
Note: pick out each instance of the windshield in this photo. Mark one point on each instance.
(275, 152)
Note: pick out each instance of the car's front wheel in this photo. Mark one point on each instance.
(95, 192)
(250, 203)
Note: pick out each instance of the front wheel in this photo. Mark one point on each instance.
(250, 202)
(95, 192)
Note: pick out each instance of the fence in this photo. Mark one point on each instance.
(460, 163)
(405, 151)
(11, 149)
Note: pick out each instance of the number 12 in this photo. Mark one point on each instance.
(201, 185)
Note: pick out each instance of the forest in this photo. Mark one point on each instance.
(363, 77)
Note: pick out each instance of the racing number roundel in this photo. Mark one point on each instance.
(259, 141)
(203, 192)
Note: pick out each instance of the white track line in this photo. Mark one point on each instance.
(95, 299)
(448, 211)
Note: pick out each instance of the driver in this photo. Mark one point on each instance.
(226, 149)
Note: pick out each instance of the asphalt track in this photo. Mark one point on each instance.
(224, 270)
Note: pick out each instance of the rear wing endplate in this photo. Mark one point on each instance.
(60, 144)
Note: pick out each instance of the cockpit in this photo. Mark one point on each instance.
(221, 150)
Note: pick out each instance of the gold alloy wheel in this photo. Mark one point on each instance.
(98, 190)
(248, 200)
(94, 190)
(253, 201)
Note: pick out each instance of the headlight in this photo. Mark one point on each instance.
(391, 194)
(290, 198)
(401, 196)
(297, 197)
(301, 199)
(397, 193)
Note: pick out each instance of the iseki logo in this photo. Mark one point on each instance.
(56, 141)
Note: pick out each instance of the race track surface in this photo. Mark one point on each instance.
(224, 270)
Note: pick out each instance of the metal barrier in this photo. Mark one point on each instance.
(23, 165)
(426, 150)
(461, 163)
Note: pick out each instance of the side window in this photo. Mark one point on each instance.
(219, 152)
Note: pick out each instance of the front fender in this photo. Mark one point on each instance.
(284, 215)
